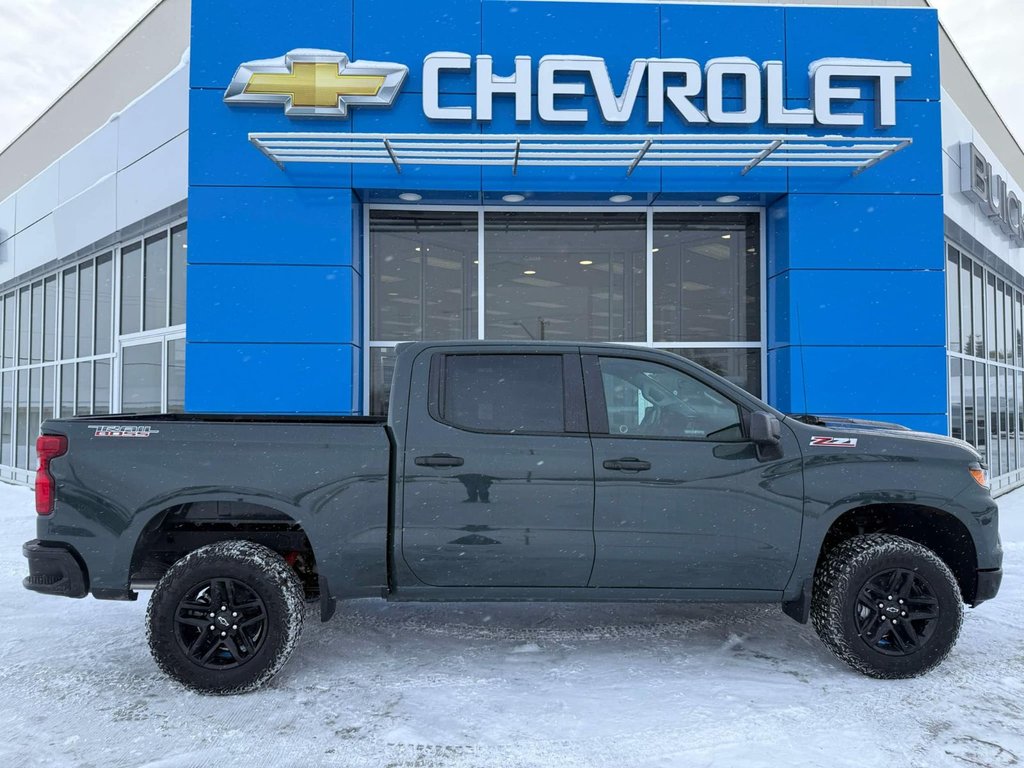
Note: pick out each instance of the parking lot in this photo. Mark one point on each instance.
(505, 685)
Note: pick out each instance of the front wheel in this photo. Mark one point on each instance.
(887, 606)
(225, 618)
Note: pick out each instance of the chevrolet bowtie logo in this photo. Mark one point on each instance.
(316, 83)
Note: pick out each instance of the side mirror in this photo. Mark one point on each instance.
(765, 428)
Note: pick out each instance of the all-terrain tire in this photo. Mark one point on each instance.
(233, 650)
(872, 643)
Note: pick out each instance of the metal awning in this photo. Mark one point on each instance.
(629, 152)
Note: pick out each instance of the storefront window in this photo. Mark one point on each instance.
(59, 341)
(566, 276)
(986, 353)
(141, 367)
(707, 277)
(569, 275)
(423, 275)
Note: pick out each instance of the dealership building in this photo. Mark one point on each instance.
(247, 212)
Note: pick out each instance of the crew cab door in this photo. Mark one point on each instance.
(683, 499)
(499, 479)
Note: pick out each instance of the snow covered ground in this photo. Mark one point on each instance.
(505, 685)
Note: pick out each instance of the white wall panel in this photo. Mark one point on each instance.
(154, 119)
(7, 218)
(157, 181)
(36, 199)
(93, 159)
(36, 245)
(7, 259)
(89, 217)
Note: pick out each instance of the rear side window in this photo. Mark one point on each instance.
(503, 393)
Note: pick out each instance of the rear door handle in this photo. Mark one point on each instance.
(628, 464)
(439, 460)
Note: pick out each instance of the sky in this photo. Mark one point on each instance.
(45, 45)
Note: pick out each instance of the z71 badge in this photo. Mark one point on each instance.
(111, 430)
(834, 442)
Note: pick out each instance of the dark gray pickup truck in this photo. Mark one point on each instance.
(510, 471)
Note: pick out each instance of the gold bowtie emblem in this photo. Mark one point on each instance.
(316, 83)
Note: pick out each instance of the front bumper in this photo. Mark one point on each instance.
(54, 569)
(988, 585)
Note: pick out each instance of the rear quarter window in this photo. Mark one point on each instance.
(504, 393)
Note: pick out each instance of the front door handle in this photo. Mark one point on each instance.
(628, 464)
(439, 460)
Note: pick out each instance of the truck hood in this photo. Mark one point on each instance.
(837, 426)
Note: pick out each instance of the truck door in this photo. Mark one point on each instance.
(682, 498)
(499, 479)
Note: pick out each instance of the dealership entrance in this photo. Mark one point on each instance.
(688, 280)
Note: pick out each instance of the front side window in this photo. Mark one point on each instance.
(645, 399)
(503, 393)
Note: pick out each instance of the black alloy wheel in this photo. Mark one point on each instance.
(887, 606)
(221, 623)
(896, 612)
(225, 618)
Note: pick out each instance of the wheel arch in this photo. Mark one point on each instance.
(172, 528)
(934, 528)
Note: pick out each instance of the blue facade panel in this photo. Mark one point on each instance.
(862, 379)
(856, 232)
(273, 378)
(841, 307)
(270, 225)
(855, 294)
(272, 303)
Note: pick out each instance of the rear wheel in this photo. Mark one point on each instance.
(887, 606)
(226, 617)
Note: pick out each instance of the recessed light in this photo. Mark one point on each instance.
(655, 250)
(418, 249)
(620, 198)
(513, 198)
(727, 237)
(728, 198)
(410, 197)
(586, 263)
(529, 271)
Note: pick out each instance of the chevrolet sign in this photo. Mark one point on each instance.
(317, 83)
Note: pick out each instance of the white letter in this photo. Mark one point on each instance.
(617, 109)
(678, 95)
(777, 112)
(715, 72)
(520, 85)
(432, 67)
(886, 73)
(548, 89)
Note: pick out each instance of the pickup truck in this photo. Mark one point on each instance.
(515, 471)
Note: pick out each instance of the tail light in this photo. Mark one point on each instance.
(48, 447)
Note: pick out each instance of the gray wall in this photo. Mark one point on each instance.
(139, 60)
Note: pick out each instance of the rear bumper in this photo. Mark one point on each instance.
(54, 569)
(988, 585)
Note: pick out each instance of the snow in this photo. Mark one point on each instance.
(505, 685)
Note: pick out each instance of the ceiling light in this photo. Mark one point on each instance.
(586, 263)
(727, 237)
(513, 198)
(417, 249)
(410, 197)
(655, 250)
(529, 272)
(620, 198)
(727, 198)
